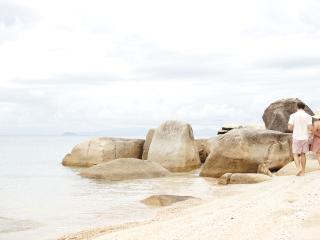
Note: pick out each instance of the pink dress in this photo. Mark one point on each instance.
(316, 143)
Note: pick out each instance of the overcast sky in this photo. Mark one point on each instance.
(123, 66)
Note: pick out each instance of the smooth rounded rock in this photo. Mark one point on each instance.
(165, 200)
(290, 168)
(225, 179)
(125, 169)
(103, 149)
(276, 116)
(248, 178)
(173, 146)
(243, 178)
(244, 150)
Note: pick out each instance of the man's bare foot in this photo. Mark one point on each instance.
(300, 173)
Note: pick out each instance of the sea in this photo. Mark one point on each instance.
(40, 199)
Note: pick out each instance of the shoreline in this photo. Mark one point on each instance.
(286, 208)
(163, 214)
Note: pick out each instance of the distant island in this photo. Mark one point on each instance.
(69, 134)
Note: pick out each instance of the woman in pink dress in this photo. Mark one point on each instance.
(316, 136)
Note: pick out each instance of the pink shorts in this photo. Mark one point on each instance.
(300, 146)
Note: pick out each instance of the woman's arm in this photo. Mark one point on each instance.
(316, 132)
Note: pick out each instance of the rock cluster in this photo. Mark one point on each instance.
(238, 154)
(169, 147)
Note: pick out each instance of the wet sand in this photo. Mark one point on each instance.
(286, 208)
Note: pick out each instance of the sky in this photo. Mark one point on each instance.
(119, 67)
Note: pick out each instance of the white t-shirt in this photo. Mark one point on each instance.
(300, 121)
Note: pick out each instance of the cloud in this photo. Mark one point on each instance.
(70, 80)
(292, 63)
(13, 18)
(87, 66)
(11, 14)
(180, 69)
(308, 15)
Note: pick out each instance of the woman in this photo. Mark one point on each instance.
(316, 136)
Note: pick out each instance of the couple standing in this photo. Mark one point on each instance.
(306, 132)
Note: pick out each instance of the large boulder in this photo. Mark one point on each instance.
(247, 150)
(165, 200)
(103, 149)
(202, 145)
(276, 116)
(174, 147)
(147, 143)
(125, 169)
(243, 178)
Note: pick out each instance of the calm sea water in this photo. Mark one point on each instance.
(41, 199)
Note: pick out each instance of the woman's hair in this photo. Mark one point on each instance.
(316, 124)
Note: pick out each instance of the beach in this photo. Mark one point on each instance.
(286, 208)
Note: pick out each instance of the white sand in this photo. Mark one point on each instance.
(286, 208)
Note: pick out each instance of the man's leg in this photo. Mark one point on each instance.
(303, 163)
(297, 161)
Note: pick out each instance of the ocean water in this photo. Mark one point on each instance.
(41, 199)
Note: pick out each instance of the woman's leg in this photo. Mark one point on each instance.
(318, 156)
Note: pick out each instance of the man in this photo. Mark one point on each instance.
(300, 123)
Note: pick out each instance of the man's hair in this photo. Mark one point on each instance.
(301, 105)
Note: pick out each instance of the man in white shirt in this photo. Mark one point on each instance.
(300, 123)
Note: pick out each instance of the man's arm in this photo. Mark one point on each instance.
(310, 126)
(290, 124)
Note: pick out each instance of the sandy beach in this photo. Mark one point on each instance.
(286, 208)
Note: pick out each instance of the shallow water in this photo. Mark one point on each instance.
(41, 199)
